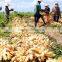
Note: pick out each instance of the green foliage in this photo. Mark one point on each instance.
(3, 33)
(1, 18)
(23, 14)
(57, 48)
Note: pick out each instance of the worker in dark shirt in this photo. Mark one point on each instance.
(37, 13)
(7, 12)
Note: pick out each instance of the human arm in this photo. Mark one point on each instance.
(11, 10)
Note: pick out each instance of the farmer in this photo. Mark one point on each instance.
(7, 11)
(37, 13)
(56, 12)
(47, 11)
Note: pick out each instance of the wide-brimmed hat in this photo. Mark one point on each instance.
(6, 4)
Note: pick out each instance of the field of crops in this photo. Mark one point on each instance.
(20, 41)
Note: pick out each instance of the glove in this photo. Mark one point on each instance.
(12, 9)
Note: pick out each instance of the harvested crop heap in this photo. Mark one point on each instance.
(26, 45)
